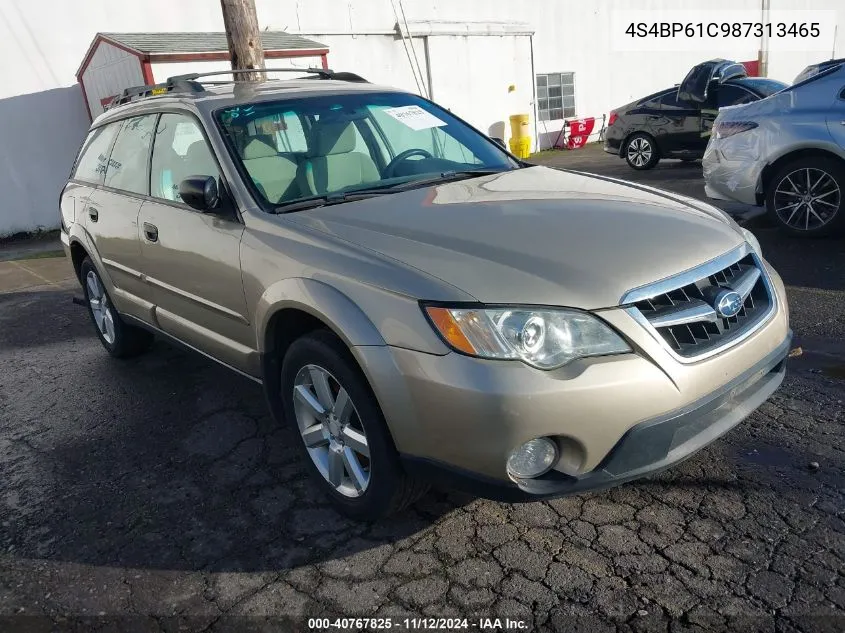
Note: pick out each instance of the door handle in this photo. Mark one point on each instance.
(93, 214)
(150, 232)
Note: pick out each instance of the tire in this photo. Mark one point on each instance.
(821, 205)
(120, 339)
(388, 488)
(641, 152)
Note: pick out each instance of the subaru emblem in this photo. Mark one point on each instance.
(728, 303)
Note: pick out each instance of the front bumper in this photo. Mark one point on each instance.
(647, 448)
(614, 418)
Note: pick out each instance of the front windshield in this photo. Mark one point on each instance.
(319, 146)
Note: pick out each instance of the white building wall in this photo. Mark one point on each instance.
(110, 70)
(471, 76)
(161, 71)
(42, 43)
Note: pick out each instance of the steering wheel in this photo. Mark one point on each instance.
(401, 156)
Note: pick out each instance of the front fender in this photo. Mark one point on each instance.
(320, 300)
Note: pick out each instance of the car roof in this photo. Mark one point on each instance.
(828, 63)
(217, 95)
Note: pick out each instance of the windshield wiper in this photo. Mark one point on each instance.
(446, 176)
(338, 197)
(315, 202)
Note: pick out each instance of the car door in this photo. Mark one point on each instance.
(86, 176)
(192, 259)
(677, 126)
(118, 201)
(109, 217)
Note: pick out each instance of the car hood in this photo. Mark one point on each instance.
(535, 235)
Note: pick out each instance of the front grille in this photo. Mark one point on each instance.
(685, 316)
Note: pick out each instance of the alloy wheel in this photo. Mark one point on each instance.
(807, 199)
(332, 430)
(639, 152)
(100, 307)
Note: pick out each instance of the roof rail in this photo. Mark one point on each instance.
(189, 83)
(324, 73)
(343, 76)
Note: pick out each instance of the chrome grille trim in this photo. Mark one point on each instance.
(687, 277)
(746, 282)
(697, 310)
(678, 302)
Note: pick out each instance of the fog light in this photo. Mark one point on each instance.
(533, 458)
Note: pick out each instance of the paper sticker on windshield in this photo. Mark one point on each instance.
(414, 117)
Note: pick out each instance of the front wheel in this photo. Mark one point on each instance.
(806, 197)
(343, 436)
(120, 339)
(641, 152)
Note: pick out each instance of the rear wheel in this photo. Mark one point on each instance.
(343, 436)
(806, 197)
(641, 152)
(120, 339)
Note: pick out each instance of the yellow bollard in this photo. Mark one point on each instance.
(520, 142)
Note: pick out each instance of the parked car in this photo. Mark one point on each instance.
(787, 152)
(676, 122)
(418, 304)
(815, 69)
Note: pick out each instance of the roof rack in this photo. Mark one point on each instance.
(189, 83)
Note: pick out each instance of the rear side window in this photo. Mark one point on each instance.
(729, 95)
(652, 102)
(91, 166)
(812, 78)
(179, 152)
(127, 168)
(670, 101)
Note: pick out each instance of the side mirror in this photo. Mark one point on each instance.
(201, 193)
(500, 143)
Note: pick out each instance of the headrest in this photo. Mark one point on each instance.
(259, 148)
(333, 137)
(199, 157)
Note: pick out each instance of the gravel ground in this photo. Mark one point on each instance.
(156, 494)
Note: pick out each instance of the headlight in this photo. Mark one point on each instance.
(545, 339)
(751, 239)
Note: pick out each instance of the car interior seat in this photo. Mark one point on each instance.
(274, 173)
(332, 164)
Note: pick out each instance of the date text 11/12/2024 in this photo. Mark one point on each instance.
(417, 624)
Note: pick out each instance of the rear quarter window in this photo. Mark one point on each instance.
(94, 156)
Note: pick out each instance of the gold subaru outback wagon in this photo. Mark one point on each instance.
(419, 304)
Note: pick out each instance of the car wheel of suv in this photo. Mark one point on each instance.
(120, 339)
(641, 151)
(344, 437)
(806, 197)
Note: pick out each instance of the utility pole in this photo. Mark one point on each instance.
(763, 54)
(243, 37)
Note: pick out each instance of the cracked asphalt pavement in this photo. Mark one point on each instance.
(156, 494)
